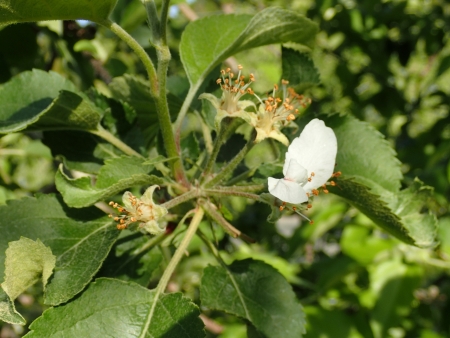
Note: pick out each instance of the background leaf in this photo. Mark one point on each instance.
(26, 262)
(208, 41)
(255, 291)
(116, 175)
(112, 308)
(80, 240)
(13, 11)
(34, 99)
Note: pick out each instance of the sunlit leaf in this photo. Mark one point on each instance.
(26, 263)
(208, 41)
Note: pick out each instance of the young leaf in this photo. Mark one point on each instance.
(207, 42)
(113, 308)
(116, 175)
(257, 292)
(80, 240)
(42, 100)
(8, 312)
(26, 262)
(12, 11)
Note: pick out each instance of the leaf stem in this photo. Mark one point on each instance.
(227, 128)
(181, 199)
(137, 48)
(220, 192)
(107, 136)
(212, 212)
(163, 22)
(193, 226)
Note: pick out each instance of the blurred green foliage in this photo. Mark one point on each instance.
(385, 62)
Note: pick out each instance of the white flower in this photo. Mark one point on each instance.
(142, 210)
(309, 164)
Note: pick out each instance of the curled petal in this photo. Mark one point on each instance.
(293, 171)
(147, 197)
(287, 191)
(315, 149)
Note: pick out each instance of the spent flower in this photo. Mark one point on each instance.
(309, 164)
(142, 210)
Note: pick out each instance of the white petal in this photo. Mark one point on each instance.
(287, 191)
(315, 149)
(293, 171)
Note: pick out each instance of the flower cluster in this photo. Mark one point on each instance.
(142, 210)
(273, 113)
(309, 163)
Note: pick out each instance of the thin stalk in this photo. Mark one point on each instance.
(137, 48)
(229, 168)
(227, 128)
(164, 116)
(164, 15)
(218, 192)
(107, 136)
(193, 226)
(212, 212)
(181, 199)
(185, 107)
(211, 248)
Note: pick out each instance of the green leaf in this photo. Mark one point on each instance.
(26, 262)
(257, 292)
(80, 240)
(112, 308)
(40, 100)
(299, 70)
(14, 11)
(208, 41)
(359, 243)
(8, 312)
(364, 154)
(116, 175)
(371, 182)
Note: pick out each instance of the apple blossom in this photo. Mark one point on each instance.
(142, 210)
(230, 104)
(309, 163)
(275, 113)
